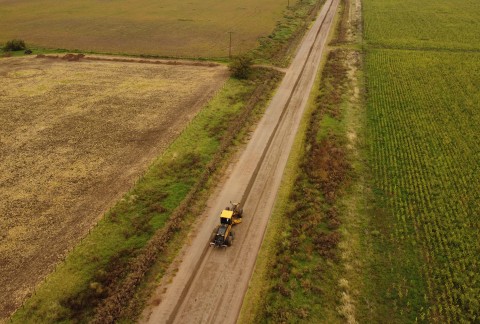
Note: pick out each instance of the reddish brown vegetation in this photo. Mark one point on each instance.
(313, 219)
(328, 166)
(332, 90)
(325, 243)
(342, 27)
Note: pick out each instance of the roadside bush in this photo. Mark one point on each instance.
(99, 287)
(241, 66)
(14, 45)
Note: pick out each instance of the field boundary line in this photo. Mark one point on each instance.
(81, 57)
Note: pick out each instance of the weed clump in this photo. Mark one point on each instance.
(14, 45)
(241, 66)
(99, 287)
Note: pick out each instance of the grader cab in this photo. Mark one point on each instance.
(223, 234)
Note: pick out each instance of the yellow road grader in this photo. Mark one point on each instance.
(223, 235)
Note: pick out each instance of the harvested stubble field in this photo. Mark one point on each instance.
(74, 137)
(168, 28)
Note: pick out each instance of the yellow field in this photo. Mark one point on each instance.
(74, 137)
(196, 28)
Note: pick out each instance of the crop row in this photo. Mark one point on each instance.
(424, 122)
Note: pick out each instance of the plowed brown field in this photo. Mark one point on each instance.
(74, 136)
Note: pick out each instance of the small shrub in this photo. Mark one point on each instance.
(241, 66)
(283, 290)
(14, 45)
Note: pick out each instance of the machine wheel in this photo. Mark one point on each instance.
(213, 235)
(230, 238)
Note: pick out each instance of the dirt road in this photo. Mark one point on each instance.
(210, 284)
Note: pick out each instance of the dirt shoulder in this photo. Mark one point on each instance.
(75, 136)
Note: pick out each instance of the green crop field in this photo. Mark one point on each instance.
(169, 28)
(423, 93)
(428, 24)
(424, 118)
